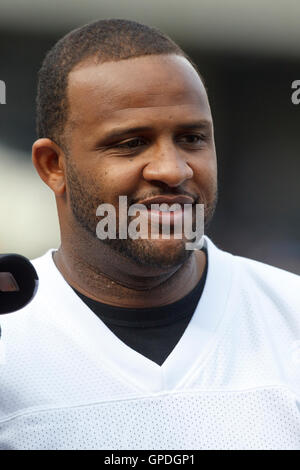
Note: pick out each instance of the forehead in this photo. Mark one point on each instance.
(144, 86)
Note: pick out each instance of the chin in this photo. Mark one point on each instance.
(153, 253)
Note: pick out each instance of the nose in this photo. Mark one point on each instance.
(168, 165)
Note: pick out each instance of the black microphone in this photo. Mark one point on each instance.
(18, 282)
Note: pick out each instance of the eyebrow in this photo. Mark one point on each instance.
(115, 134)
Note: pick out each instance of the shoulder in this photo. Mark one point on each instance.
(21, 320)
(259, 280)
(43, 262)
(270, 278)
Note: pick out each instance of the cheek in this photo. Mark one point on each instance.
(205, 173)
(119, 179)
(115, 179)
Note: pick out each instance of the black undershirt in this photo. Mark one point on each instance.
(155, 331)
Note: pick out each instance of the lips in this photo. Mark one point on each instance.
(169, 217)
(180, 199)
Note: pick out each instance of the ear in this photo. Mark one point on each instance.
(48, 159)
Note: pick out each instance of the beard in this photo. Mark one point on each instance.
(83, 193)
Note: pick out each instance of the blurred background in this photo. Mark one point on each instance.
(249, 55)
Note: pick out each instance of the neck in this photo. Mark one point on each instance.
(122, 282)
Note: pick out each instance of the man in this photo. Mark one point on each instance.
(140, 343)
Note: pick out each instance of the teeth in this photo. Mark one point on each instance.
(162, 210)
(164, 207)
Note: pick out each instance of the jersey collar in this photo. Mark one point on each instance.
(86, 329)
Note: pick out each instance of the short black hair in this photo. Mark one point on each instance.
(108, 40)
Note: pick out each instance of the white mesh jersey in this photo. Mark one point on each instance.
(231, 382)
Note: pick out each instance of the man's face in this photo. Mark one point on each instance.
(139, 128)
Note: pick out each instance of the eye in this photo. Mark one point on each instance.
(193, 139)
(131, 144)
